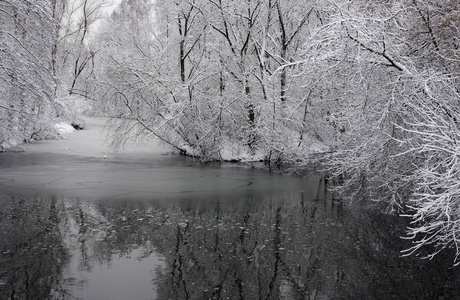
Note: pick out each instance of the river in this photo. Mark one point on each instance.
(78, 221)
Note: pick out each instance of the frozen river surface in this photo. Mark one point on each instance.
(82, 166)
(78, 221)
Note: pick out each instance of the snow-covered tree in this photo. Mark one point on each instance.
(72, 56)
(212, 75)
(27, 82)
(392, 71)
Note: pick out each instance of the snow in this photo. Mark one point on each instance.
(64, 128)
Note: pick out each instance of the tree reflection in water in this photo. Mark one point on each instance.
(289, 246)
(32, 253)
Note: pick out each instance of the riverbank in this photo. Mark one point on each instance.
(94, 141)
(83, 166)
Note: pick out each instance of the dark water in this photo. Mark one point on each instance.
(167, 228)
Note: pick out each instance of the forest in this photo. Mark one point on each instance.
(367, 89)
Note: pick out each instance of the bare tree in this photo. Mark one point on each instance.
(72, 56)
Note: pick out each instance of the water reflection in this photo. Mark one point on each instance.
(298, 245)
(32, 254)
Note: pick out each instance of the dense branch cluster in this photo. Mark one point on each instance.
(401, 145)
(26, 80)
(210, 77)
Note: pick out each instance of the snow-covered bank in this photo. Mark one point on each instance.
(94, 141)
(239, 153)
(64, 128)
